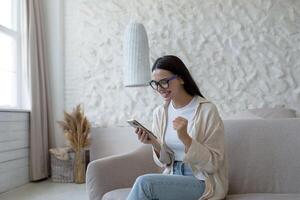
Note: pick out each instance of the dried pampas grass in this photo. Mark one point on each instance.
(76, 129)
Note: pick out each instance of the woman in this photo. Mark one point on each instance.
(190, 140)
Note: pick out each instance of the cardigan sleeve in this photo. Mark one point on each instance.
(208, 155)
(166, 155)
(156, 132)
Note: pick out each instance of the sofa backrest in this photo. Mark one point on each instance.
(112, 141)
(264, 155)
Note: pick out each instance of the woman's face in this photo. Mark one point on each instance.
(174, 86)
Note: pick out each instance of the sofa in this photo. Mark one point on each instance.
(263, 155)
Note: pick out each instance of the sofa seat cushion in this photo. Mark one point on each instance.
(263, 196)
(118, 194)
(121, 194)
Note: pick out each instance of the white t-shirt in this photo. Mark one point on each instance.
(172, 140)
(171, 137)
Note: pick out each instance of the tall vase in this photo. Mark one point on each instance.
(79, 167)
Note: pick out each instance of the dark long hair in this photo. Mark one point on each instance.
(177, 67)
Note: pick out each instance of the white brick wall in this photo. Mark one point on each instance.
(243, 54)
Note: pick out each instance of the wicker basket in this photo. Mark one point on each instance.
(62, 171)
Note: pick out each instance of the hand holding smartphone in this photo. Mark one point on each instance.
(136, 124)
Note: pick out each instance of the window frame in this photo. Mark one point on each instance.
(16, 34)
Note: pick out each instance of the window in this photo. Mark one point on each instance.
(10, 54)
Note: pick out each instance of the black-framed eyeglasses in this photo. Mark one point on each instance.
(163, 83)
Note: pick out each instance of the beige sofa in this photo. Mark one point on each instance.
(264, 163)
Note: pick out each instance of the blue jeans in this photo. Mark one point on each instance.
(181, 185)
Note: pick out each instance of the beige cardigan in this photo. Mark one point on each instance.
(207, 151)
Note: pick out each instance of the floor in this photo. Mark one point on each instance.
(47, 190)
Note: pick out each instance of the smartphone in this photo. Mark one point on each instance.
(136, 124)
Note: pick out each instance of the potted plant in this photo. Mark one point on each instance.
(76, 128)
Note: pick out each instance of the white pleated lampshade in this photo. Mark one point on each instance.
(136, 70)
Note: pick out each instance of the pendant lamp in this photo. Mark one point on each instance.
(136, 71)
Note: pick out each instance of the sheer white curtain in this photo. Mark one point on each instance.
(40, 117)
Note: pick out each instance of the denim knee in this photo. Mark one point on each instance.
(142, 188)
(144, 180)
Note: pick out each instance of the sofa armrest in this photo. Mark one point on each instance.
(106, 174)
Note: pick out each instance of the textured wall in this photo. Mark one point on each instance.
(243, 54)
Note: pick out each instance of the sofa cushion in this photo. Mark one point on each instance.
(263, 196)
(121, 194)
(118, 194)
(263, 155)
